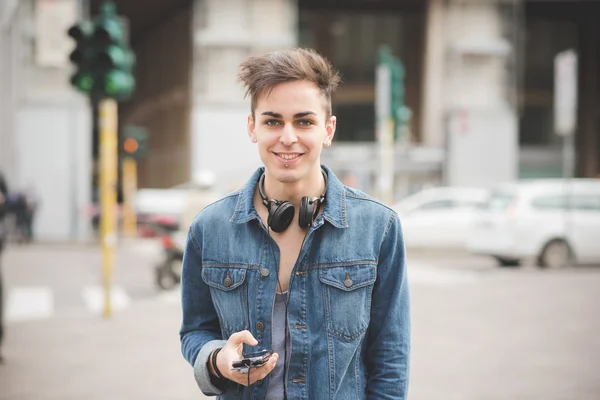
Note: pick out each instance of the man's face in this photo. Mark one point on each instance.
(290, 127)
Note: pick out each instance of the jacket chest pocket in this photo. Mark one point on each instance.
(229, 296)
(347, 296)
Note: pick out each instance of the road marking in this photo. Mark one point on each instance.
(29, 303)
(93, 297)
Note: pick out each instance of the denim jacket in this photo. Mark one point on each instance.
(348, 305)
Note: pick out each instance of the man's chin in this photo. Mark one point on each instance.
(285, 175)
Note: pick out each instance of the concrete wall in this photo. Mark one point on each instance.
(46, 132)
(468, 100)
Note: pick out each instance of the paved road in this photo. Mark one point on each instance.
(44, 280)
(479, 332)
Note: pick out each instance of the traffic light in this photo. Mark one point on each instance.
(114, 59)
(135, 142)
(399, 112)
(82, 56)
(102, 56)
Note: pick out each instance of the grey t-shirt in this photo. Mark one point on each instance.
(278, 343)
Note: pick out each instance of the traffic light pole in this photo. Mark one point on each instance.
(385, 135)
(108, 193)
(129, 190)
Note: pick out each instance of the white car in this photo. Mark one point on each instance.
(439, 218)
(552, 221)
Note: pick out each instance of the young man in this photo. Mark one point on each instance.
(295, 261)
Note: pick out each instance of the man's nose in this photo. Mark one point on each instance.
(288, 136)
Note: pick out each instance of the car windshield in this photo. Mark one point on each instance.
(499, 200)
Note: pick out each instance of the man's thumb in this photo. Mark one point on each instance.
(244, 337)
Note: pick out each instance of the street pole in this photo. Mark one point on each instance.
(565, 120)
(385, 134)
(108, 193)
(129, 190)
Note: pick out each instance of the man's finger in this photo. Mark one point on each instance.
(255, 373)
(243, 337)
(263, 371)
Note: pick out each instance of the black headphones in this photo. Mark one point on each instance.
(281, 213)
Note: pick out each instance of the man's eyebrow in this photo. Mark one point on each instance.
(272, 114)
(304, 114)
(297, 115)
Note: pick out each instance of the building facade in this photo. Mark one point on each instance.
(479, 81)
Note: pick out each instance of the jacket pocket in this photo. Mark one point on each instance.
(347, 296)
(229, 296)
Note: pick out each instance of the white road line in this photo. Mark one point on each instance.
(93, 297)
(29, 303)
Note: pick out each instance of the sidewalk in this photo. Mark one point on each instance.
(133, 355)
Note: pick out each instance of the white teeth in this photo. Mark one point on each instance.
(288, 156)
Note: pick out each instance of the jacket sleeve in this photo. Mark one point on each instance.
(388, 341)
(200, 332)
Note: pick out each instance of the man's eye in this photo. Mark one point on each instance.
(305, 122)
(272, 122)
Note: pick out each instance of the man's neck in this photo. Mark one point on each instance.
(312, 186)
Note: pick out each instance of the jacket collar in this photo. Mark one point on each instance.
(335, 200)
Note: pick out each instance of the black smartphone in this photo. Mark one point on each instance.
(252, 360)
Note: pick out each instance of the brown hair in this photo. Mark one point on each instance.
(260, 74)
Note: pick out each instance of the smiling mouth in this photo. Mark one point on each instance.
(288, 156)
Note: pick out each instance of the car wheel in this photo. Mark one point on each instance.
(556, 254)
(508, 262)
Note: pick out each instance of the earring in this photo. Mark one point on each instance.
(326, 144)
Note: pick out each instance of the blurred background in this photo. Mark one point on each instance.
(478, 121)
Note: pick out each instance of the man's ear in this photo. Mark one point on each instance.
(330, 128)
(251, 128)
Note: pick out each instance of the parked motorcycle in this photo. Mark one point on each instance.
(168, 270)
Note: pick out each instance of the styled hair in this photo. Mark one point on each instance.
(260, 74)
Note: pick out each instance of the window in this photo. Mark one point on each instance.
(351, 41)
(499, 201)
(563, 202)
(556, 202)
(585, 202)
(437, 205)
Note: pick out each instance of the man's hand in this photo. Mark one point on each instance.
(232, 351)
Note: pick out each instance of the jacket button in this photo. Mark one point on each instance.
(259, 382)
(260, 326)
(227, 282)
(348, 282)
(264, 272)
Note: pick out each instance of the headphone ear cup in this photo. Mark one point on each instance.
(281, 216)
(306, 213)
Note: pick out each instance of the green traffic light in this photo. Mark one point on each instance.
(116, 57)
(118, 83)
(83, 82)
(102, 56)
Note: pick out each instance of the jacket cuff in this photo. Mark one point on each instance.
(201, 372)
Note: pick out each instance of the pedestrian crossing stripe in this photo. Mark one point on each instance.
(29, 303)
(94, 298)
(26, 303)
